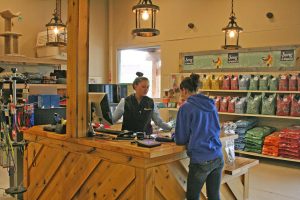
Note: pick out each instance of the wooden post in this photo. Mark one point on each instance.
(246, 185)
(144, 177)
(78, 60)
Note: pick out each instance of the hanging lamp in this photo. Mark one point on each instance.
(56, 29)
(145, 19)
(232, 32)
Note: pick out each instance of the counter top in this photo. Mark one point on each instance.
(125, 147)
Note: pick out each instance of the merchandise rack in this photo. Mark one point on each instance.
(22, 85)
(278, 122)
(259, 115)
(250, 115)
(252, 91)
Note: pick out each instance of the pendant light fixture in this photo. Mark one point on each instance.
(232, 32)
(145, 19)
(56, 29)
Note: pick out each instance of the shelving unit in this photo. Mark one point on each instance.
(22, 86)
(22, 60)
(278, 122)
(250, 115)
(252, 91)
(266, 156)
(259, 115)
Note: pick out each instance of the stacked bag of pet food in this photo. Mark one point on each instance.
(242, 126)
(288, 105)
(254, 138)
(271, 144)
(289, 143)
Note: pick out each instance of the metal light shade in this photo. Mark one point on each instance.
(232, 32)
(145, 19)
(56, 29)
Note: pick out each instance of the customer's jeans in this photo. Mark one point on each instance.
(199, 173)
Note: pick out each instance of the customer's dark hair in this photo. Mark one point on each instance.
(139, 79)
(190, 83)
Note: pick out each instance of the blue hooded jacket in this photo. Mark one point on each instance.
(197, 125)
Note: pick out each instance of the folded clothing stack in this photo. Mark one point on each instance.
(243, 125)
(254, 138)
(271, 144)
(289, 143)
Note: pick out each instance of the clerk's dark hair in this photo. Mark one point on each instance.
(139, 79)
(190, 83)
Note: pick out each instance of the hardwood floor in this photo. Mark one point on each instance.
(274, 180)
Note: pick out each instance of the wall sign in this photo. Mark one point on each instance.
(188, 60)
(287, 55)
(233, 58)
(280, 56)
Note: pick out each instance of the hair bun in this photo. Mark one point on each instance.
(139, 74)
(195, 77)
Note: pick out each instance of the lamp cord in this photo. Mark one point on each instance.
(232, 13)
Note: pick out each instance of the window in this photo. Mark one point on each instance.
(147, 61)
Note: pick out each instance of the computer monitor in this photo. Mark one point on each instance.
(99, 109)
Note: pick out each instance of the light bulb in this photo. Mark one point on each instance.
(145, 15)
(232, 34)
(55, 30)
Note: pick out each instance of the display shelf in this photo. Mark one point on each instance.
(23, 60)
(266, 156)
(22, 85)
(258, 115)
(58, 86)
(254, 91)
(250, 115)
(243, 71)
(173, 109)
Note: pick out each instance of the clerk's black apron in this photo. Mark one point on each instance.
(137, 117)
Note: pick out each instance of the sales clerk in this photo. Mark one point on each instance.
(138, 109)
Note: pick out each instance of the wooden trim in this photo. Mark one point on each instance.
(77, 78)
(266, 156)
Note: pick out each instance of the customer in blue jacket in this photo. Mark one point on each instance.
(197, 127)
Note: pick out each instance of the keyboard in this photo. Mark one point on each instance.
(109, 131)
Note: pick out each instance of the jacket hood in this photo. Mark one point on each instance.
(202, 102)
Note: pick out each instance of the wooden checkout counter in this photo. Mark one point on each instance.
(57, 167)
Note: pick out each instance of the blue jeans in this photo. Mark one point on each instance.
(199, 173)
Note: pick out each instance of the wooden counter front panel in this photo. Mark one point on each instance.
(51, 173)
(72, 169)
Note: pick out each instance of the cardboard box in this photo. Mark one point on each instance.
(41, 89)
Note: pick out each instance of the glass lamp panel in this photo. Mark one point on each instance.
(145, 17)
(231, 37)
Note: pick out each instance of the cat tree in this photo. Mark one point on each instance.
(11, 43)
